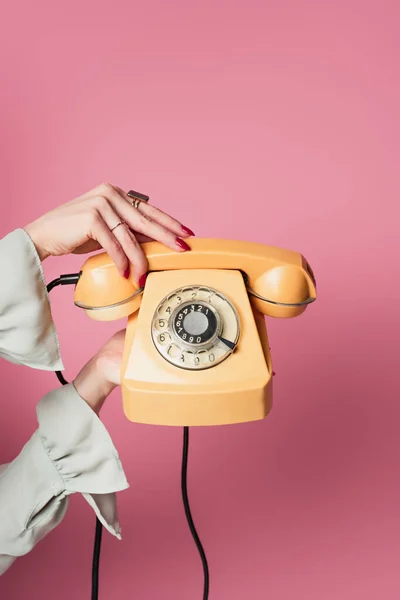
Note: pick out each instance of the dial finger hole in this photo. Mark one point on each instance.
(203, 294)
(164, 311)
(176, 299)
(189, 293)
(164, 339)
(174, 351)
(217, 301)
(200, 358)
(161, 324)
(187, 357)
(216, 353)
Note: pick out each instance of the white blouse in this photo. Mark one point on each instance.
(71, 451)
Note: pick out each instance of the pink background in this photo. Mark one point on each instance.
(276, 122)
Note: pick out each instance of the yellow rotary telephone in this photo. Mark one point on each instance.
(197, 352)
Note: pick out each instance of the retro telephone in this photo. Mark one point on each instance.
(197, 353)
(196, 346)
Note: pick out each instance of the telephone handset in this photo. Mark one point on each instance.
(197, 352)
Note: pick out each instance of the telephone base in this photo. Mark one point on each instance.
(193, 408)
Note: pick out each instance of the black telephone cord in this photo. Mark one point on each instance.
(188, 513)
(71, 279)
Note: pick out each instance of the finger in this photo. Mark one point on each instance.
(134, 252)
(142, 223)
(102, 234)
(125, 237)
(144, 226)
(142, 238)
(159, 216)
(115, 194)
(165, 220)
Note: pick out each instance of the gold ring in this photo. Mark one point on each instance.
(117, 225)
(137, 198)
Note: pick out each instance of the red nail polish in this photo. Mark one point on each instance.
(182, 244)
(187, 230)
(273, 373)
(142, 280)
(126, 274)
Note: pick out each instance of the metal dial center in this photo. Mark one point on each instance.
(195, 323)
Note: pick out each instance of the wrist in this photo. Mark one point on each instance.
(92, 386)
(34, 233)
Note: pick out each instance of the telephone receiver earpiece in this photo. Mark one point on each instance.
(280, 283)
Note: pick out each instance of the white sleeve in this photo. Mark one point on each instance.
(27, 332)
(71, 451)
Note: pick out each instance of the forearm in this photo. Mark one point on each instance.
(92, 386)
(27, 332)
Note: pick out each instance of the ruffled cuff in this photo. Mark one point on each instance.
(27, 332)
(81, 450)
(70, 452)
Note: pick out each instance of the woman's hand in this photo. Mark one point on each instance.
(101, 374)
(89, 222)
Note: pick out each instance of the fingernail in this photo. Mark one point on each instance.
(142, 280)
(182, 244)
(126, 274)
(187, 230)
(273, 373)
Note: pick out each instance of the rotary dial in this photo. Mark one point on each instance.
(195, 327)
